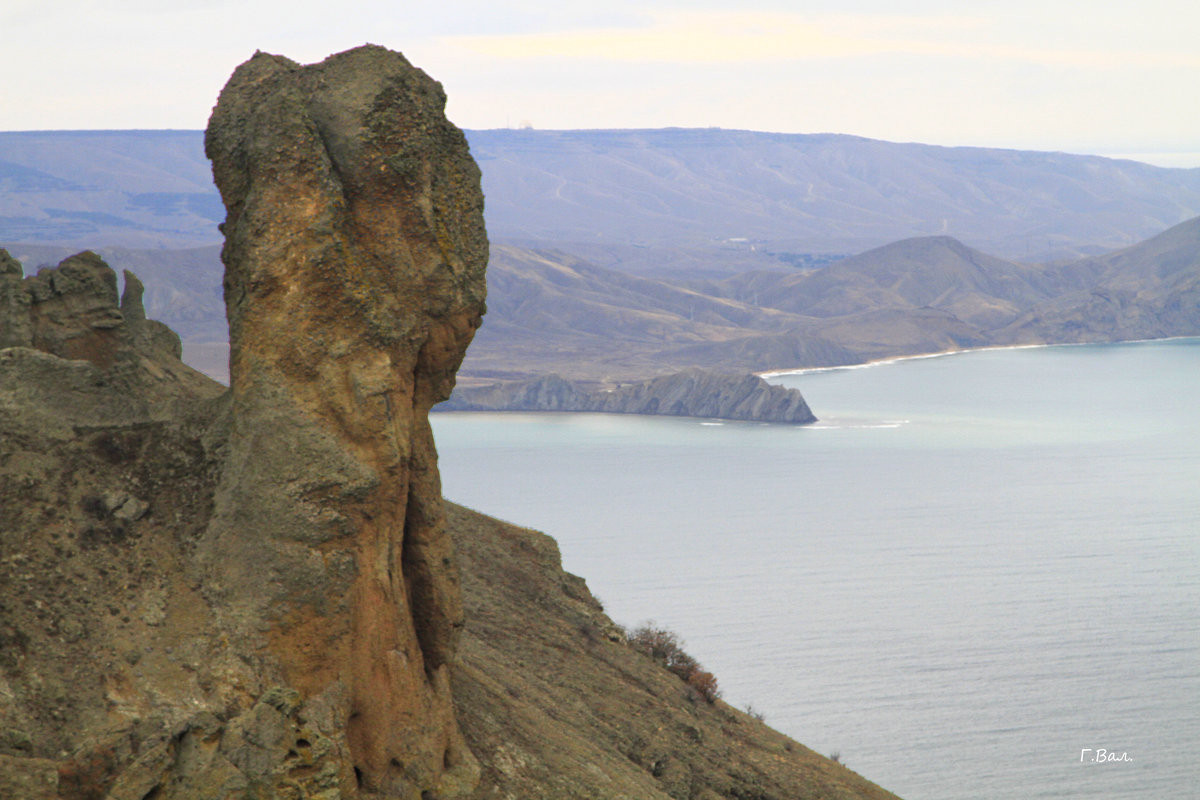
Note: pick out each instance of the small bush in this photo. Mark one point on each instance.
(706, 684)
(658, 643)
(682, 665)
(667, 649)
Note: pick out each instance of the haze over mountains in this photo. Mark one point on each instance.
(823, 193)
(622, 255)
(108, 188)
(679, 189)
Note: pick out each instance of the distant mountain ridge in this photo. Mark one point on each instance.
(550, 312)
(106, 188)
(665, 201)
(816, 192)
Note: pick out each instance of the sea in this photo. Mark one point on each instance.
(977, 576)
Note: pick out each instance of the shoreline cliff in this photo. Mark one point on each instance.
(691, 393)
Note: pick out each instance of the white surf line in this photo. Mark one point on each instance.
(836, 425)
(895, 359)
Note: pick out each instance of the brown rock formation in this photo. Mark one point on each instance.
(251, 594)
(109, 662)
(126, 674)
(355, 254)
(100, 349)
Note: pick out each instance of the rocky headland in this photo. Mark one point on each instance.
(258, 592)
(691, 393)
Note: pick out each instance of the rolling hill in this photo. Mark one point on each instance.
(1148, 291)
(550, 312)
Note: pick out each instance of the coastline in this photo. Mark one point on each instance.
(878, 362)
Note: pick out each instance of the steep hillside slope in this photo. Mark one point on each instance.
(555, 704)
(1148, 291)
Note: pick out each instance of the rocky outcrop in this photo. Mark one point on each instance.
(354, 279)
(111, 670)
(691, 393)
(250, 593)
(98, 360)
(120, 676)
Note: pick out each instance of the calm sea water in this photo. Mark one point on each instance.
(973, 568)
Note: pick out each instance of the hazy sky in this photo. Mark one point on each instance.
(1113, 77)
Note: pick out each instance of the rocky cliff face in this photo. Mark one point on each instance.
(68, 325)
(348, 320)
(254, 590)
(691, 393)
(109, 663)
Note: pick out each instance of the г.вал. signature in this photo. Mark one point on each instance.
(1102, 756)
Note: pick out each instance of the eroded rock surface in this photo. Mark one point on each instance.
(250, 593)
(111, 668)
(354, 279)
(98, 359)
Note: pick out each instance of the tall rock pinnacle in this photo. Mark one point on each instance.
(354, 280)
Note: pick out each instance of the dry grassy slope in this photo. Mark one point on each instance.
(1150, 290)
(549, 312)
(555, 707)
(934, 271)
(568, 294)
(552, 313)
